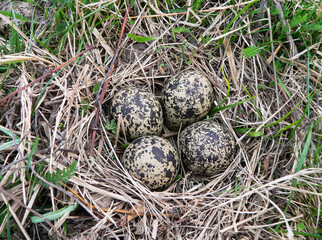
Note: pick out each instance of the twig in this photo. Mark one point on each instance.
(31, 210)
(47, 73)
(107, 78)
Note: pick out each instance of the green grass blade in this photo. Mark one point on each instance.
(33, 149)
(183, 55)
(228, 92)
(235, 18)
(8, 132)
(308, 80)
(249, 132)
(54, 215)
(180, 30)
(283, 86)
(197, 4)
(258, 112)
(287, 127)
(299, 167)
(304, 151)
(215, 109)
(44, 45)
(313, 236)
(42, 93)
(140, 39)
(5, 76)
(280, 120)
(302, 117)
(86, 16)
(177, 10)
(11, 143)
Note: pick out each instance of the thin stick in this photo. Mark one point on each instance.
(108, 75)
(47, 73)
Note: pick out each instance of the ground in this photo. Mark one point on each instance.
(61, 62)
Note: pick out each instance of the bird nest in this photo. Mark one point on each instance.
(63, 151)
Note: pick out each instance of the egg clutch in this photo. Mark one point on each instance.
(206, 146)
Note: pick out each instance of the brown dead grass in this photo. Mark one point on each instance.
(246, 201)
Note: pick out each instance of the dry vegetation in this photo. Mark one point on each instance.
(271, 191)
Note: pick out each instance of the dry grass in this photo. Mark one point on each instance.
(246, 201)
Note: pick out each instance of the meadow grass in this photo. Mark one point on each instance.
(265, 63)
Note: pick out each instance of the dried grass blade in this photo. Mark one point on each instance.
(231, 61)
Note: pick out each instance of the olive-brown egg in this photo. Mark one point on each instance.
(186, 98)
(207, 148)
(141, 112)
(152, 160)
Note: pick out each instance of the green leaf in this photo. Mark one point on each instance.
(96, 87)
(177, 10)
(311, 235)
(8, 132)
(301, 226)
(283, 86)
(54, 215)
(177, 177)
(140, 39)
(60, 176)
(17, 16)
(236, 17)
(180, 30)
(304, 152)
(197, 4)
(251, 51)
(313, 27)
(11, 143)
(216, 109)
(287, 127)
(274, 11)
(111, 126)
(125, 145)
(44, 45)
(249, 132)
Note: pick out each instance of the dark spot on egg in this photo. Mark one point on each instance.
(158, 154)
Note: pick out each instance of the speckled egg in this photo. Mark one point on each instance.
(152, 160)
(206, 148)
(140, 110)
(186, 98)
